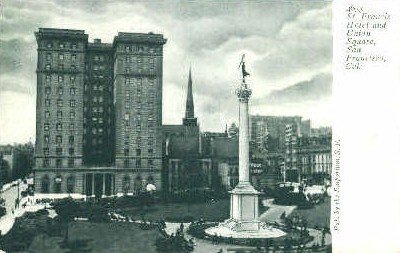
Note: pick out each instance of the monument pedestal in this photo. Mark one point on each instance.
(244, 208)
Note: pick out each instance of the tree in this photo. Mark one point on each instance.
(67, 209)
(3, 209)
(325, 230)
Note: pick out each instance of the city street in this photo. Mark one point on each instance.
(10, 194)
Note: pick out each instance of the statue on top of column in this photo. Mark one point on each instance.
(244, 72)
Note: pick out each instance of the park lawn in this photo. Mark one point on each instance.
(319, 215)
(178, 212)
(99, 238)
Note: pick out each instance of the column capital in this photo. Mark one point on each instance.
(243, 92)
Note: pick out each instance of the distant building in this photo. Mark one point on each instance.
(268, 132)
(307, 158)
(16, 161)
(321, 131)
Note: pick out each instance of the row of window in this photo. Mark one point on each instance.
(99, 67)
(60, 67)
(61, 57)
(60, 78)
(60, 91)
(59, 151)
(60, 102)
(138, 140)
(138, 152)
(60, 45)
(140, 49)
(59, 115)
(98, 58)
(47, 162)
(71, 139)
(138, 163)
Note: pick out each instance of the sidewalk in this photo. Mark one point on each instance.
(7, 221)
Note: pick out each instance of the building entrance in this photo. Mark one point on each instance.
(99, 184)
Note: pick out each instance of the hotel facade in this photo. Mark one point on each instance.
(98, 113)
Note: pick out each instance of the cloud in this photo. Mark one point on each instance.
(319, 87)
(286, 43)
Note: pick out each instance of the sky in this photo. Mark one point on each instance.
(288, 47)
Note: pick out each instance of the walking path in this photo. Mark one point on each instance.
(274, 212)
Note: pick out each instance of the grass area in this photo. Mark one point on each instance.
(319, 215)
(99, 237)
(178, 212)
(35, 232)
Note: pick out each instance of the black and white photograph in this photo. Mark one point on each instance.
(170, 126)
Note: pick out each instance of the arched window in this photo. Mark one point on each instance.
(138, 184)
(70, 184)
(45, 184)
(57, 184)
(126, 185)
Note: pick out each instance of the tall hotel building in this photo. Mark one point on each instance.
(98, 113)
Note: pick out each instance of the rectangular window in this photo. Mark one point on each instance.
(72, 103)
(61, 45)
(60, 79)
(73, 57)
(70, 162)
(49, 45)
(126, 163)
(138, 152)
(58, 126)
(60, 90)
(48, 67)
(72, 78)
(61, 57)
(126, 152)
(48, 57)
(72, 115)
(46, 139)
(72, 91)
(59, 102)
(47, 90)
(47, 102)
(48, 79)
(46, 162)
(71, 151)
(59, 115)
(46, 126)
(73, 46)
(46, 151)
(71, 139)
(150, 151)
(58, 163)
(150, 162)
(59, 139)
(138, 163)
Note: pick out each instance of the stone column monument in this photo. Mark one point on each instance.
(243, 221)
(244, 198)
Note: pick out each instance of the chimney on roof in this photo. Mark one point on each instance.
(97, 41)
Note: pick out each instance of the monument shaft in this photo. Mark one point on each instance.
(243, 141)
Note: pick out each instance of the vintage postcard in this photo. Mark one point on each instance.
(199, 126)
